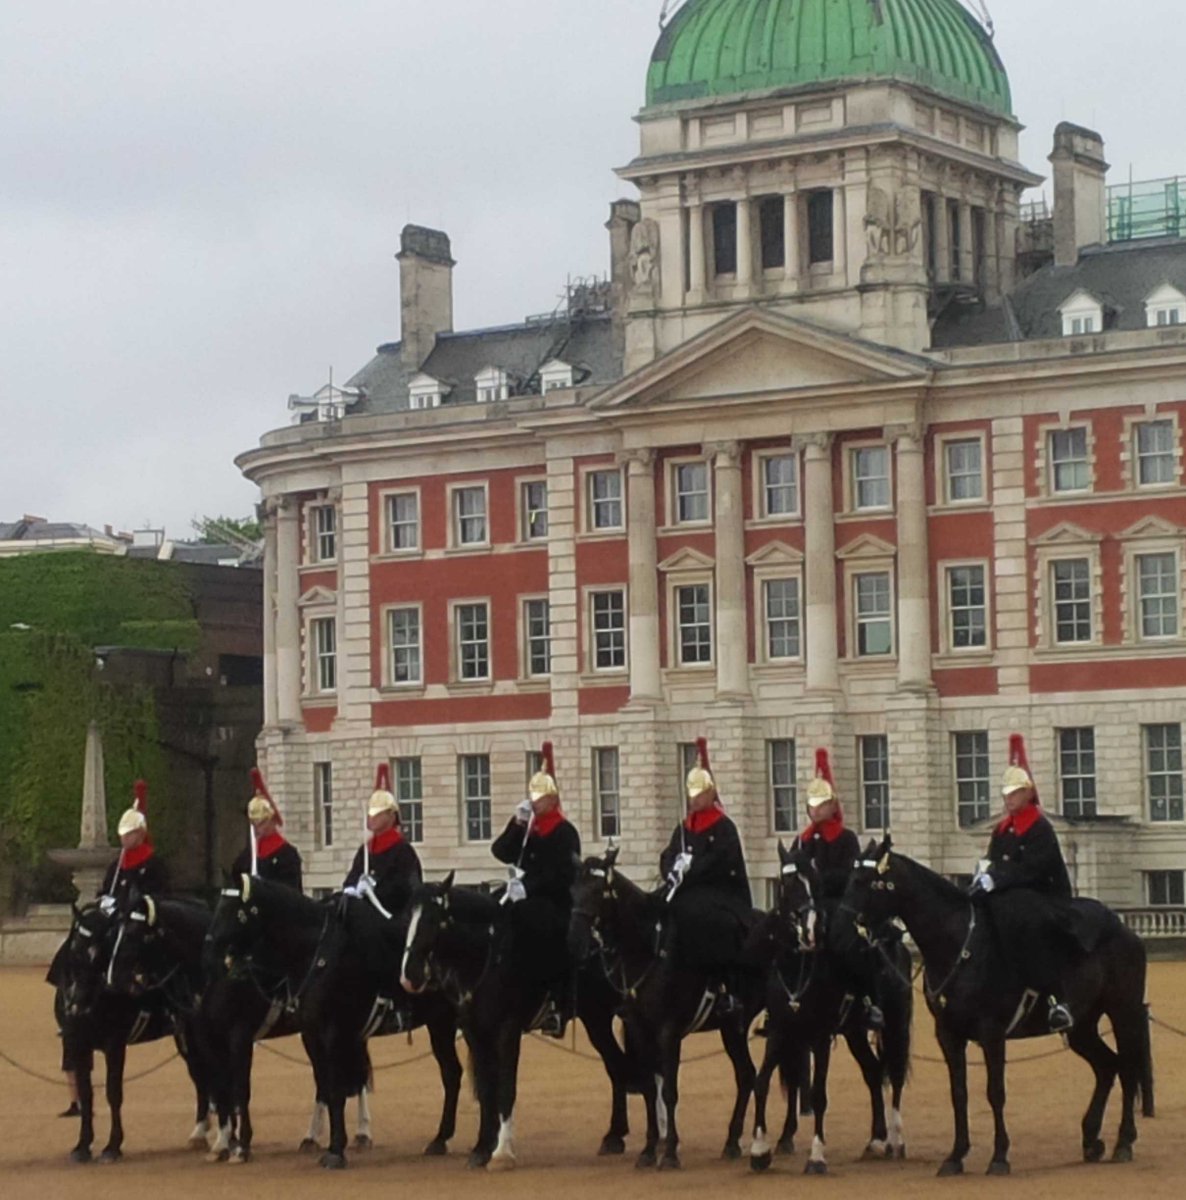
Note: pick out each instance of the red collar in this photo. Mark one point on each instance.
(829, 830)
(706, 818)
(1021, 823)
(268, 846)
(542, 826)
(382, 842)
(136, 858)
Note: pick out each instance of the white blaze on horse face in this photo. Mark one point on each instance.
(505, 1150)
(413, 925)
(817, 1150)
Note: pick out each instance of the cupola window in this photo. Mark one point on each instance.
(819, 227)
(724, 239)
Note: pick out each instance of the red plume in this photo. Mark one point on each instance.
(549, 760)
(140, 792)
(823, 767)
(383, 777)
(702, 752)
(1017, 756)
(261, 789)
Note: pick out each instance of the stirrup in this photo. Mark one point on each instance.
(1059, 1018)
(874, 1017)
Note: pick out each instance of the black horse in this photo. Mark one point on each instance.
(622, 930)
(462, 941)
(94, 1017)
(339, 964)
(812, 995)
(974, 989)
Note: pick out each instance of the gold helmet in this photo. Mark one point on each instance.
(700, 778)
(135, 817)
(823, 787)
(1017, 773)
(543, 782)
(382, 798)
(261, 806)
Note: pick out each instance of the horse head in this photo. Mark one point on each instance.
(88, 949)
(137, 938)
(593, 893)
(430, 915)
(797, 898)
(871, 895)
(234, 929)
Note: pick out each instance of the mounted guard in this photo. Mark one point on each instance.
(138, 866)
(269, 855)
(386, 864)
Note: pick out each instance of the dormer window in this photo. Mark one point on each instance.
(554, 375)
(1165, 306)
(425, 392)
(491, 385)
(1081, 314)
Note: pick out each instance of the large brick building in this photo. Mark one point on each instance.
(851, 449)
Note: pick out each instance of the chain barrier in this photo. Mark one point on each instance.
(59, 1081)
(304, 1062)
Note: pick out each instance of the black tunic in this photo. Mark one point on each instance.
(150, 878)
(283, 866)
(717, 862)
(549, 862)
(396, 872)
(833, 860)
(1029, 860)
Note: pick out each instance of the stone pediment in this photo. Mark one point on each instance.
(867, 546)
(317, 597)
(1066, 533)
(760, 353)
(687, 559)
(1151, 528)
(775, 554)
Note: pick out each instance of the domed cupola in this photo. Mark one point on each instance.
(717, 48)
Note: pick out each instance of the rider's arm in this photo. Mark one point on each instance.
(1039, 862)
(355, 872)
(509, 843)
(719, 859)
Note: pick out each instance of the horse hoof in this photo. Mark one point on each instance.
(899, 1153)
(786, 1147)
(645, 1160)
(998, 1168)
(362, 1141)
(218, 1156)
(875, 1151)
(1122, 1153)
(333, 1162)
(611, 1144)
(239, 1156)
(437, 1148)
(197, 1143)
(951, 1166)
(110, 1156)
(760, 1162)
(732, 1151)
(815, 1167)
(80, 1155)
(670, 1162)
(308, 1146)
(501, 1162)
(477, 1160)
(1095, 1152)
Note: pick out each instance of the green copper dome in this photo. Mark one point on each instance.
(723, 47)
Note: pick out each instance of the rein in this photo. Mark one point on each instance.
(449, 978)
(935, 995)
(613, 962)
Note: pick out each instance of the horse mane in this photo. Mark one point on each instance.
(940, 883)
(288, 903)
(470, 905)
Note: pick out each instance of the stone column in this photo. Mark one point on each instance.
(288, 616)
(646, 685)
(942, 240)
(819, 607)
(791, 236)
(732, 655)
(914, 606)
(696, 268)
(967, 272)
(745, 243)
(268, 513)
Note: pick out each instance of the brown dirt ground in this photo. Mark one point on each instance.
(561, 1115)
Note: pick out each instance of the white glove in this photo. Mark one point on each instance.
(516, 891)
(524, 812)
(985, 882)
(107, 905)
(354, 890)
(682, 863)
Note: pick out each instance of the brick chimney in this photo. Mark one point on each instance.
(425, 292)
(1080, 216)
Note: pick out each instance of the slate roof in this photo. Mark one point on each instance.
(45, 531)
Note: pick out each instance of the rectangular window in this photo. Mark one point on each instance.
(469, 516)
(819, 227)
(784, 804)
(1080, 325)
(694, 622)
(967, 607)
(870, 477)
(691, 492)
(1069, 469)
(772, 232)
(473, 641)
(409, 791)
(1169, 316)
(1157, 585)
(474, 770)
(1156, 461)
(724, 239)
(403, 519)
(874, 614)
(781, 599)
(875, 798)
(1163, 772)
(1076, 772)
(780, 485)
(323, 802)
(606, 791)
(538, 627)
(1071, 579)
(608, 611)
(325, 533)
(405, 645)
(605, 499)
(324, 632)
(534, 501)
(972, 786)
(1165, 888)
(965, 470)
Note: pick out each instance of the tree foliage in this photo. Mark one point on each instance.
(216, 531)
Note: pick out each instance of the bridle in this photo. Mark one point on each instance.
(448, 979)
(808, 955)
(182, 1002)
(613, 963)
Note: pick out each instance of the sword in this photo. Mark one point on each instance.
(254, 850)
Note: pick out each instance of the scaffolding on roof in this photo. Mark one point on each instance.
(1147, 209)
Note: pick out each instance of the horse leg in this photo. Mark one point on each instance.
(1132, 1033)
(817, 1162)
(334, 1158)
(599, 1026)
(312, 1139)
(241, 1057)
(484, 1063)
(669, 1049)
(1086, 1042)
(994, 1061)
(84, 1079)
(510, 1042)
(442, 1032)
(362, 1132)
(116, 1056)
(650, 1083)
(733, 1034)
(760, 1155)
(895, 1057)
(792, 1070)
(955, 1052)
(871, 1071)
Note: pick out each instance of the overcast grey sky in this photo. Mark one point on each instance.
(199, 201)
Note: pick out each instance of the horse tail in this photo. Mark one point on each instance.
(1145, 1077)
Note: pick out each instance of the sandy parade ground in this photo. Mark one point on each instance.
(562, 1113)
